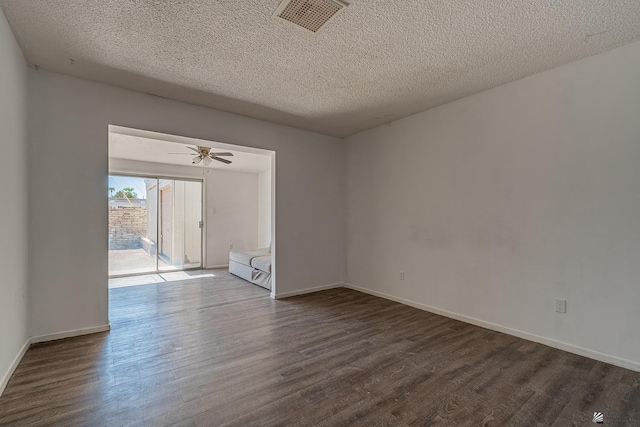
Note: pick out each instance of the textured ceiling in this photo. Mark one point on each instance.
(375, 62)
(157, 151)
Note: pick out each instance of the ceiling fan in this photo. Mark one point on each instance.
(204, 154)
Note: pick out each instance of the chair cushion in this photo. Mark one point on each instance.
(262, 263)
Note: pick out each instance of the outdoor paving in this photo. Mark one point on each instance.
(133, 261)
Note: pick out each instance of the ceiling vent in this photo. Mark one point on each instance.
(309, 14)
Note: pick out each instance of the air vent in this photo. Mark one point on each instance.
(309, 14)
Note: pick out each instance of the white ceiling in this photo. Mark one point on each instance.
(157, 151)
(375, 62)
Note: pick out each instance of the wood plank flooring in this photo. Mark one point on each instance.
(218, 351)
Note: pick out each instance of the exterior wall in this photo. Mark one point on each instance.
(127, 224)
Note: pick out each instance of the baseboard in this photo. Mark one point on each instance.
(306, 291)
(45, 338)
(14, 365)
(211, 267)
(581, 351)
(69, 334)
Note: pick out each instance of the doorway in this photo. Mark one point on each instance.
(233, 218)
(155, 224)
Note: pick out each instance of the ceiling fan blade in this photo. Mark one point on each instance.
(220, 154)
(221, 160)
(188, 154)
(192, 149)
(207, 161)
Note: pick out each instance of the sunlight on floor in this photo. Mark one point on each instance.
(121, 282)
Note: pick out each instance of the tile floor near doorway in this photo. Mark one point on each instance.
(216, 350)
(136, 261)
(147, 279)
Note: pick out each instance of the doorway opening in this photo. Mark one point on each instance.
(155, 224)
(236, 208)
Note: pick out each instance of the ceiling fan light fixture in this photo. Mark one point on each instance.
(205, 156)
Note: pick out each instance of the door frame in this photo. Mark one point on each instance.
(245, 146)
(166, 200)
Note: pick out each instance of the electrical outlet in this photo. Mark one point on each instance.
(401, 276)
(561, 305)
(230, 246)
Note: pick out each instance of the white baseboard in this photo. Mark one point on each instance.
(306, 291)
(211, 267)
(71, 333)
(14, 365)
(45, 338)
(592, 354)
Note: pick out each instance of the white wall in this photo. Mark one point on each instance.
(231, 204)
(13, 208)
(232, 209)
(498, 203)
(69, 121)
(264, 208)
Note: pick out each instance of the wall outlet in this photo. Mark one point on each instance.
(401, 275)
(561, 305)
(230, 246)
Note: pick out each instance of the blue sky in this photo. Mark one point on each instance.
(120, 182)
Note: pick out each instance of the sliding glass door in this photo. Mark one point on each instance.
(155, 224)
(179, 220)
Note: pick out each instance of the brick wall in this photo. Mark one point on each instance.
(127, 224)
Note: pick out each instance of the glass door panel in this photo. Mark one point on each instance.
(132, 225)
(179, 224)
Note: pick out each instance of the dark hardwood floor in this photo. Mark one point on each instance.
(219, 351)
